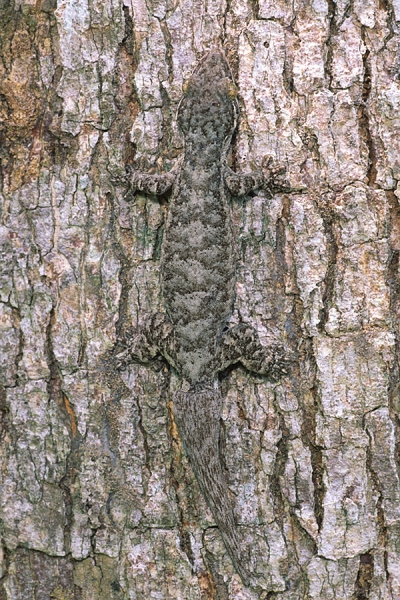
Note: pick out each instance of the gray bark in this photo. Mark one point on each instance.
(98, 500)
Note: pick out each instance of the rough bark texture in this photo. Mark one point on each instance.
(97, 498)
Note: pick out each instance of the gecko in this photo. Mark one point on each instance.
(198, 279)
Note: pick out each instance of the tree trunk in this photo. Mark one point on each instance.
(98, 500)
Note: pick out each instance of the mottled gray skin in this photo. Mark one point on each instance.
(197, 260)
(198, 284)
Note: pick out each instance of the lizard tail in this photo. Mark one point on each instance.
(197, 414)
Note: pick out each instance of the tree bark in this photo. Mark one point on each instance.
(98, 500)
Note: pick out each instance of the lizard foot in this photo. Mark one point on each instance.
(145, 343)
(242, 344)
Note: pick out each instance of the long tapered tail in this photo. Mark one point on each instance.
(197, 414)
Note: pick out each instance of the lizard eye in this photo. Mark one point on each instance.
(232, 90)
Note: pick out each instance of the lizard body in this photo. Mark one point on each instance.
(197, 260)
(198, 284)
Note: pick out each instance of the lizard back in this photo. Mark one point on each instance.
(197, 262)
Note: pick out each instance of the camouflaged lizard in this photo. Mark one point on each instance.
(198, 283)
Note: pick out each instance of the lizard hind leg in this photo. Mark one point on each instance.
(154, 337)
(197, 414)
(242, 344)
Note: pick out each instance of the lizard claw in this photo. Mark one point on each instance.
(281, 363)
(274, 177)
(118, 179)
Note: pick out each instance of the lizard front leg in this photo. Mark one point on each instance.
(153, 184)
(270, 179)
(242, 344)
(242, 184)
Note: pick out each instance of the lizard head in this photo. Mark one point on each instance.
(208, 109)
